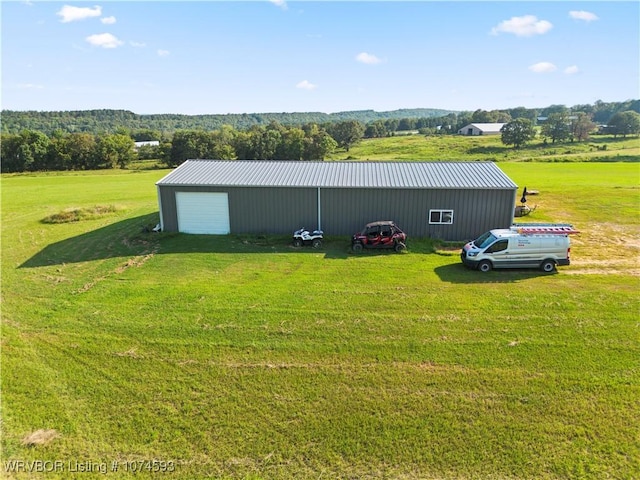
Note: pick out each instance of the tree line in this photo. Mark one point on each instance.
(110, 121)
(561, 126)
(31, 150)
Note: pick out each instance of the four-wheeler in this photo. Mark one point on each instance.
(304, 237)
(381, 234)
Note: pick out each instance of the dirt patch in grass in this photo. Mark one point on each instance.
(605, 248)
(136, 261)
(70, 215)
(40, 437)
(131, 353)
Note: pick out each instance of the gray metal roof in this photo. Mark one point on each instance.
(436, 175)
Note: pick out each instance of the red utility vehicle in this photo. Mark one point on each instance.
(382, 234)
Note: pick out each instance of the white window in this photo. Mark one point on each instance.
(441, 217)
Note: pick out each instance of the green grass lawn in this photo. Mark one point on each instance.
(242, 357)
(600, 148)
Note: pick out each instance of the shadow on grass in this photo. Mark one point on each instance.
(124, 238)
(133, 237)
(458, 273)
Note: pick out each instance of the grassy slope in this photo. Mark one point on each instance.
(490, 148)
(240, 356)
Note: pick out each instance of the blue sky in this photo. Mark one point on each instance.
(208, 57)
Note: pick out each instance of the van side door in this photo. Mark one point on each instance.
(524, 251)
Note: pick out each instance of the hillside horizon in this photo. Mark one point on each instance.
(413, 110)
(109, 120)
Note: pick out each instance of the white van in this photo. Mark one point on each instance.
(525, 245)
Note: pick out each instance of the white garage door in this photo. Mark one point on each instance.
(203, 212)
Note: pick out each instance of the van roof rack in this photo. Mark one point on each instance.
(554, 228)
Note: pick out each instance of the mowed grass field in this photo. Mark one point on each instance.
(242, 357)
(600, 148)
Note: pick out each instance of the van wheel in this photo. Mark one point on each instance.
(548, 266)
(485, 266)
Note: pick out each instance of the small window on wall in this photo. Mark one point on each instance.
(441, 217)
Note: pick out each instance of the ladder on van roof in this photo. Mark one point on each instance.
(536, 228)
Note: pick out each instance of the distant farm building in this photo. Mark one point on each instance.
(481, 129)
(148, 143)
(447, 200)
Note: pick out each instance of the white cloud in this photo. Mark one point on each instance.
(543, 67)
(72, 14)
(306, 85)
(280, 3)
(104, 40)
(163, 53)
(137, 44)
(582, 15)
(525, 26)
(572, 70)
(108, 20)
(367, 58)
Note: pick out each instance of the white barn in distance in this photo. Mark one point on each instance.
(475, 129)
(147, 143)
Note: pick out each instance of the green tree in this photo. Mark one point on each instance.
(406, 124)
(266, 143)
(164, 153)
(318, 143)
(376, 129)
(463, 119)
(9, 148)
(259, 143)
(190, 144)
(243, 145)
(292, 146)
(114, 150)
(482, 116)
(220, 146)
(79, 152)
(146, 135)
(522, 112)
(390, 124)
(517, 132)
(624, 123)
(557, 127)
(28, 151)
(582, 126)
(502, 117)
(122, 130)
(448, 122)
(347, 133)
(545, 112)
